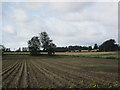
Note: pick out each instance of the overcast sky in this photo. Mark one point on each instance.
(67, 23)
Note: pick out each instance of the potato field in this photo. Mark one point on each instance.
(25, 71)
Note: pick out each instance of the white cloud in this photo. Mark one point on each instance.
(75, 16)
(59, 27)
(9, 29)
(64, 7)
(18, 15)
(34, 6)
(66, 23)
(106, 13)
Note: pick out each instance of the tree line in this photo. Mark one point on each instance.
(108, 45)
(43, 43)
(73, 48)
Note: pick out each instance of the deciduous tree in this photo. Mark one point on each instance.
(95, 46)
(109, 45)
(45, 40)
(34, 45)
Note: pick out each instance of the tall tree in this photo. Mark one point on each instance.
(7, 50)
(45, 40)
(51, 48)
(95, 46)
(18, 50)
(2, 49)
(47, 44)
(90, 48)
(34, 45)
(109, 45)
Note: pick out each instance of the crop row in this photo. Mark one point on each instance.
(52, 72)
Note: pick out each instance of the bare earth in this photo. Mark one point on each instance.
(47, 72)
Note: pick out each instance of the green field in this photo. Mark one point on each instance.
(102, 55)
(59, 71)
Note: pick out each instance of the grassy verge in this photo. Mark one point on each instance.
(104, 56)
(100, 56)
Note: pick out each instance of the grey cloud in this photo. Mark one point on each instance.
(66, 23)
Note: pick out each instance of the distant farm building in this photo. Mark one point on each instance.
(75, 51)
(84, 50)
(95, 50)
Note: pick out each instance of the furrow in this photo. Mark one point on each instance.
(10, 68)
(11, 76)
(9, 72)
(55, 78)
(16, 78)
(33, 80)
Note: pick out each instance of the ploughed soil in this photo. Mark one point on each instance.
(24, 71)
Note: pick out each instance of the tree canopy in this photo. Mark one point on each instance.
(47, 43)
(109, 45)
(95, 46)
(45, 40)
(41, 41)
(34, 45)
(51, 48)
(2, 49)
